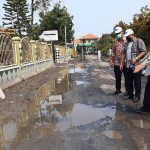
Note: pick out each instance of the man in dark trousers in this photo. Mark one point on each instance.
(134, 50)
(145, 62)
(117, 51)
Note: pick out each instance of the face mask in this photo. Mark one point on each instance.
(128, 39)
(118, 36)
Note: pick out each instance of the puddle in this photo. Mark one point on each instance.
(80, 68)
(82, 114)
(79, 82)
(112, 134)
(76, 70)
(41, 119)
(64, 116)
(55, 99)
(46, 114)
(97, 70)
(109, 69)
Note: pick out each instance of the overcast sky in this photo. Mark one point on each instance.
(97, 16)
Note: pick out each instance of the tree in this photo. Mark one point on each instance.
(40, 6)
(139, 27)
(33, 31)
(145, 11)
(121, 24)
(57, 19)
(10, 14)
(104, 43)
(16, 15)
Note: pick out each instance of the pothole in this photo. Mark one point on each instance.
(113, 134)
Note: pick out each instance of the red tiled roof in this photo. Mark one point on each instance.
(89, 36)
(8, 30)
(76, 41)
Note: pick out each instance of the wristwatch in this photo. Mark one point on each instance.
(136, 58)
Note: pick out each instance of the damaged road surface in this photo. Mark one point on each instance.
(70, 107)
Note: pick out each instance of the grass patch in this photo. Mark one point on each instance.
(50, 68)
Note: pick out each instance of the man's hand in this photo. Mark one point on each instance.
(121, 67)
(133, 61)
(111, 64)
(137, 68)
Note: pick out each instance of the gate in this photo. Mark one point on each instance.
(9, 71)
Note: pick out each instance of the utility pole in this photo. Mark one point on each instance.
(65, 31)
(65, 38)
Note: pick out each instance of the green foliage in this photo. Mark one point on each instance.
(145, 11)
(33, 32)
(140, 29)
(104, 43)
(138, 25)
(50, 68)
(79, 49)
(40, 6)
(16, 16)
(104, 50)
(57, 19)
(10, 14)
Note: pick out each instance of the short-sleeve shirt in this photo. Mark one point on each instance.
(133, 49)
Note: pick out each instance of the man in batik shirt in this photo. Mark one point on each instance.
(117, 51)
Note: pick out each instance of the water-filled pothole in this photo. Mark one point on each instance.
(65, 116)
(113, 134)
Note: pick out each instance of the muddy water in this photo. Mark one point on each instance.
(46, 115)
(113, 134)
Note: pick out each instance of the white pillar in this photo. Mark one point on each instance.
(109, 52)
(99, 55)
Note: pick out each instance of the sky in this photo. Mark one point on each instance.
(96, 16)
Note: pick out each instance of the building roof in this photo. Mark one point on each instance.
(76, 41)
(89, 36)
(4, 29)
(8, 30)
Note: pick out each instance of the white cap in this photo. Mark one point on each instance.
(117, 30)
(128, 32)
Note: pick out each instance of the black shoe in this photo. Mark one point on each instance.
(143, 110)
(128, 97)
(136, 99)
(116, 92)
(126, 93)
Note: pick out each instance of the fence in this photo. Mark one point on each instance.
(21, 58)
(62, 53)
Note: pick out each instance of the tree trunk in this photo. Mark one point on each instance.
(32, 11)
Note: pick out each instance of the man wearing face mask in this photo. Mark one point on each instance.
(134, 50)
(145, 62)
(117, 50)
